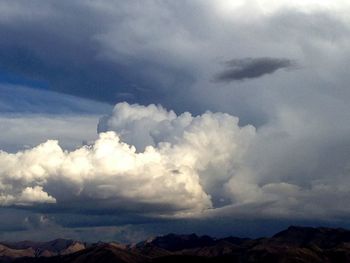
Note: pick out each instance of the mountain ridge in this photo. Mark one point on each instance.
(294, 244)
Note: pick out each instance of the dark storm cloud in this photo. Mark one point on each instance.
(249, 68)
(64, 52)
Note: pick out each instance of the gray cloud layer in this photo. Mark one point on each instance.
(249, 68)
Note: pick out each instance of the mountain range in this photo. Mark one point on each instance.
(293, 245)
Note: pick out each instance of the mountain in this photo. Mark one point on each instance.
(293, 245)
(7, 252)
(41, 249)
(106, 253)
(322, 237)
(173, 242)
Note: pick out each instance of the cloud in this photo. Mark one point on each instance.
(171, 171)
(32, 195)
(250, 68)
(150, 164)
(168, 56)
(85, 63)
(296, 163)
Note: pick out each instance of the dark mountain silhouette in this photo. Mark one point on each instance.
(173, 242)
(293, 245)
(322, 237)
(9, 250)
(106, 253)
(55, 247)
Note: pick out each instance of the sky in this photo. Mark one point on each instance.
(121, 120)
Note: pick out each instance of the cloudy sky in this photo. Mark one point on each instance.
(125, 119)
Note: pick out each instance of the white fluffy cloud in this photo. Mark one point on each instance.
(153, 162)
(27, 196)
(178, 164)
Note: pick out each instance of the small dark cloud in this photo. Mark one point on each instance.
(249, 68)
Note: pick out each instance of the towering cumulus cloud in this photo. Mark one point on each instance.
(144, 156)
